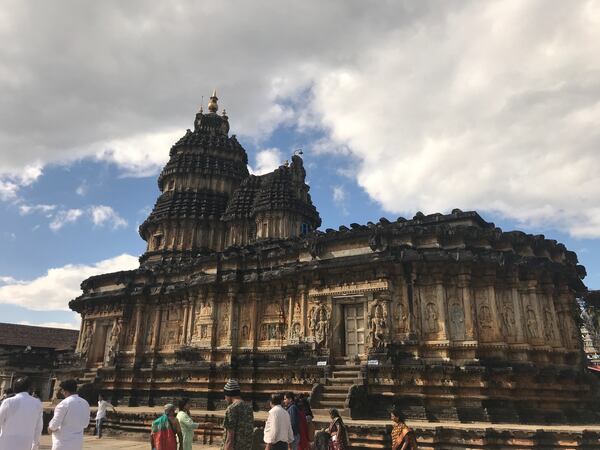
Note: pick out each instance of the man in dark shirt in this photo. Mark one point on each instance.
(289, 401)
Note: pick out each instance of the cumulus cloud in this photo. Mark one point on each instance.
(11, 182)
(53, 290)
(104, 215)
(488, 105)
(64, 217)
(267, 160)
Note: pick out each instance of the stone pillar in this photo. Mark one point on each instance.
(255, 319)
(302, 290)
(138, 325)
(186, 311)
(81, 333)
(157, 323)
(464, 288)
(233, 322)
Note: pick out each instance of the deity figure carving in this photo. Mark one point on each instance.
(87, 339)
(549, 325)
(319, 324)
(379, 328)
(400, 317)
(508, 319)
(224, 323)
(457, 321)
(245, 332)
(113, 346)
(204, 331)
(532, 325)
(296, 331)
(431, 318)
(131, 333)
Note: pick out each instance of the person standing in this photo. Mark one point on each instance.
(71, 417)
(239, 419)
(103, 406)
(289, 400)
(403, 437)
(20, 419)
(337, 431)
(278, 434)
(166, 431)
(186, 424)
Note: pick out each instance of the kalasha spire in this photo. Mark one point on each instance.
(213, 107)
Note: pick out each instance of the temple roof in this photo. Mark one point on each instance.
(41, 337)
(282, 189)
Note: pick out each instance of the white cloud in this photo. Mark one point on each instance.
(41, 208)
(507, 122)
(267, 160)
(53, 290)
(11, 183)
(339, 198)
(63, 217)
(140, 155)
(487, 105)
(8, 190)
(105, 215)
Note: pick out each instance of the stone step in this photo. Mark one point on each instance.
(345, 381)
(334, 396)
(336, 388)
(331, 404)
(346, 374)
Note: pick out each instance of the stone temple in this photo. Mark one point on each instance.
(446, 314)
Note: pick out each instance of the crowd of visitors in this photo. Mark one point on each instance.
(289, 426)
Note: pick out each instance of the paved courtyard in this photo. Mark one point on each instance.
(113, 444)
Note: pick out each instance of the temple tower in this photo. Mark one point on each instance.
(205, 167)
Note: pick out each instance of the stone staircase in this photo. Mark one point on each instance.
(337, 386)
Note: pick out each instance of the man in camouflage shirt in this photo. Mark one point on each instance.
(239, 420)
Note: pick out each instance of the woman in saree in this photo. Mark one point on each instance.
(166, 430)
(403, 437)
(337, 431)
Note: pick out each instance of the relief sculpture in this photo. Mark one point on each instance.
(319, 325)
(379, 329)
(431, 318)
(532, 325)
(457, 321)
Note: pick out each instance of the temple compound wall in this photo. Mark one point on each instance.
(446, 313)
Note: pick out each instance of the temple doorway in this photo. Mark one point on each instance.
(354, 325)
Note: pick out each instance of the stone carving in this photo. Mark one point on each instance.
(457, 321)
(508, 319)
(401, 318)
(532, 325)
(319, 325)
(296, 331)
(431, 318)
(86, 342)
(378, 327)
(549, 324)
(113, 346)
(224, 323)
(485, 316)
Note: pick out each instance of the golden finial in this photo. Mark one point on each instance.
(213, 107)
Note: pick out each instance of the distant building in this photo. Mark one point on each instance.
(35, 352)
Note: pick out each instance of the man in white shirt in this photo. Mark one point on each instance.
(103, 406)
(71, 417)
(278, 433)
(21, 419)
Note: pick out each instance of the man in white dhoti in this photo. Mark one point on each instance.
(20, 419)
(71, 417)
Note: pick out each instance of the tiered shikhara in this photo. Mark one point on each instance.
(447, 313)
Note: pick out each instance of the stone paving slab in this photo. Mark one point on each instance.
(92, 443)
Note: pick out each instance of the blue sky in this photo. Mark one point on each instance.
(396, 107)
